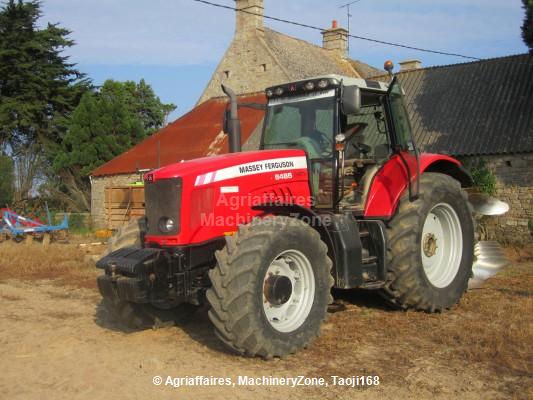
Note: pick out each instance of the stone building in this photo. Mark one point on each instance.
(480, 111)
(475, 111)
(259, 57)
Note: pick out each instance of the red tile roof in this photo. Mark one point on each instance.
(196, 134)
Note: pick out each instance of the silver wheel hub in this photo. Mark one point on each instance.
(442, 245)
(288, 291)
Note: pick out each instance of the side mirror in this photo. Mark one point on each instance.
(351, 100)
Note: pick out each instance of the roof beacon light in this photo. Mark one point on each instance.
(279, 91)
(310, 85)
(269, 93)
(323, 83)
(388, 66)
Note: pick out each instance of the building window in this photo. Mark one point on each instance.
(227, 74)
(263, 68)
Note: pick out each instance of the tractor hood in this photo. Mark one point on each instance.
(208, 197)
(228, 166)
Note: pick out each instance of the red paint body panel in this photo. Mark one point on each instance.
(207, 212)
(390, 183)
(217, 196)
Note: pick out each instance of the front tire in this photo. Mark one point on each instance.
(430, 246)
(131, 234)
(270, 288)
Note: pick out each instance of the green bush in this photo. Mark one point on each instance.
(484, 179)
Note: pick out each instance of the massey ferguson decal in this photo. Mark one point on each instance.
(273, 165)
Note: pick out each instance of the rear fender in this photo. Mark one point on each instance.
(391, 182)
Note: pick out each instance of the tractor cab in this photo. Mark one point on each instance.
(348, 127)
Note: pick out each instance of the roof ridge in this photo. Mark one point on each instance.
(483, 60)
(294, 38)
(248, 94)
(328, 52)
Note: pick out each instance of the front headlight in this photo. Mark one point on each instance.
(166, 224)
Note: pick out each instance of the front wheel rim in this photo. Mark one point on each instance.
(441, 245)
(288, 291)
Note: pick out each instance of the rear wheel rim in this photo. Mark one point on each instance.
(287, 305)
(441, 246)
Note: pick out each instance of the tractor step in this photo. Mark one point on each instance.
(370, 260)
(373, 285)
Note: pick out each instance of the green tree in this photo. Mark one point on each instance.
(152, 113)
(527, 27)
(106, 123)
(39, 88)
(6, 180)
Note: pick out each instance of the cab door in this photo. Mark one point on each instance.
(402, 140)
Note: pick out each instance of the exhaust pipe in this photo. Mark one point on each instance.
(232, 125)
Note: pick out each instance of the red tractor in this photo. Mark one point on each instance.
(338, 196)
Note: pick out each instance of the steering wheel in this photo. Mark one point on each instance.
(310, 146)
(321, 142)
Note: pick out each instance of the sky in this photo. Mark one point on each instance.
(175, 45)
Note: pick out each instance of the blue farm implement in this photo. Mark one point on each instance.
(18, 228)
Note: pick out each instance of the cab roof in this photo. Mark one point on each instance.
(346, 80)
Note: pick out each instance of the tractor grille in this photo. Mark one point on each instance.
(162, 200)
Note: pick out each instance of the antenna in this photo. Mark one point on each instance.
(349, 16)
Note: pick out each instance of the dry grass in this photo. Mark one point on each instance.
(62, 262)
(10, 297)
(491, 330)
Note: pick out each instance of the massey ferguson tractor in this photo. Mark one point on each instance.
(338, 196)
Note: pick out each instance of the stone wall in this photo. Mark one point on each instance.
(98, 185)
(514, 183)
(247, 67)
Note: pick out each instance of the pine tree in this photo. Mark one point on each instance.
(6, 180)
(38, 86)
(527, 27)
(105, 124)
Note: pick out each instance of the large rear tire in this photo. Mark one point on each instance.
(430, 246)
(270, 288)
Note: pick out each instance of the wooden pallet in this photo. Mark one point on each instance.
(122, 204)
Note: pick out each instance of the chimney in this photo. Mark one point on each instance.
(250, 18)
(409, 65)
(336, 39)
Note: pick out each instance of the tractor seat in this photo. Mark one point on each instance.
(355, 200)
